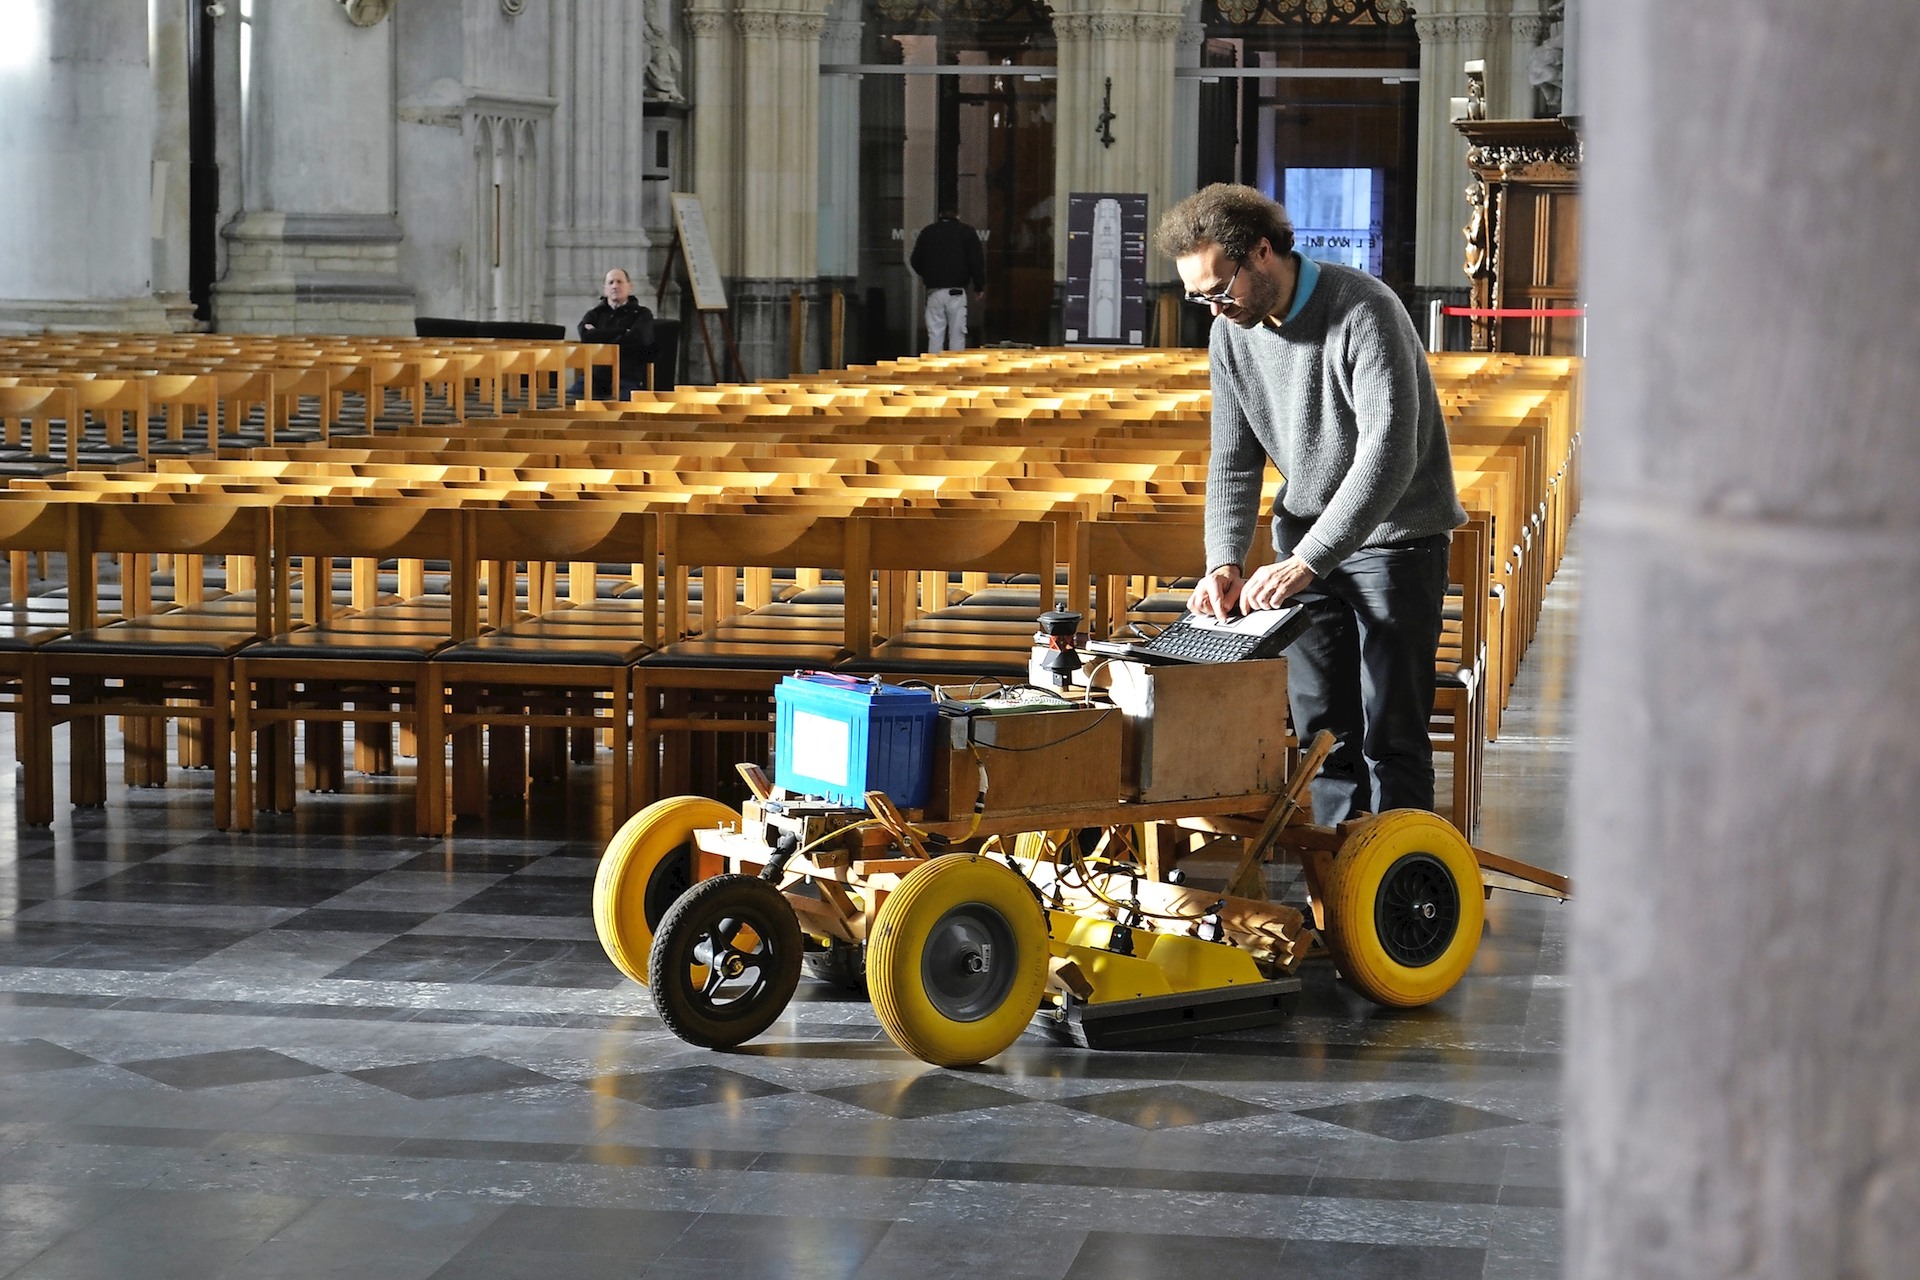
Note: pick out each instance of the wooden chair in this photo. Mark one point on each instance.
(151, 666)
(30, 528)
(378, 659)
(944, 646)
(738, 658)
(1460, 694)
(567, 668)
(28, 415)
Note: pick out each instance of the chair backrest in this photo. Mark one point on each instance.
(769, 540)
(579, 535)
(162, 528)
(1114, 549)
(381, 530)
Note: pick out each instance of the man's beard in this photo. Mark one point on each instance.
(1262, 296)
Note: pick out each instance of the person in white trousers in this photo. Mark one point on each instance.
(949, 261)
(946, 320)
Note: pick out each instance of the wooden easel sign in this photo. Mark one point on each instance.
(693, 249)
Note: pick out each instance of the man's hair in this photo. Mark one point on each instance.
(1234, 217)
(628, 275)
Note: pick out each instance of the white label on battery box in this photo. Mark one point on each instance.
(819, 748)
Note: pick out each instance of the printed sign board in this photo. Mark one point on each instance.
(703, 273)
(1106, 301)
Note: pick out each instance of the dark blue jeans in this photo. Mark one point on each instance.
(1365, 672)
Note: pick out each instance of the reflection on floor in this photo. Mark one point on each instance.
(329, 1048)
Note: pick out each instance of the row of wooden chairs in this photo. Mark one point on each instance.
(1524, 483)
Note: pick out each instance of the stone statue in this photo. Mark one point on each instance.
(1476, 232)
(1546, 72)
(367, 13)
(663, 59)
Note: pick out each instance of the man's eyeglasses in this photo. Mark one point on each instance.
(1224, 298)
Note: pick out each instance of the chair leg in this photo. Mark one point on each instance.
(429, 701)
(373, 743)
(506, 761)
(244, 750)
(221, 731)
(37, 745)
(622, 766)
(469, 772)
(326, 754)
(87, 755)
(281, 694)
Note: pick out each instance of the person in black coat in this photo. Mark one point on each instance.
(948, 259)
(621, 320)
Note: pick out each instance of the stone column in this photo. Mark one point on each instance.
(1185, 132)
(172, 170)
(1131, 41)
(1500, 33)
(316, 250)
(595, 218)
(76, 145)
(756, 166)
(1743, 1072)
(840, 147)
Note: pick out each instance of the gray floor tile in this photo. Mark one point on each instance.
(166, 1236)
(937, 1093)
(637, 1235)
(1409, 1118)
(223, 1067)
(948, 1252)
(335, 920)
(1343, 1260)
(693, 1086)
(1106, 1254)
(20, 1056)
(452, 1077)
(1163, 1106)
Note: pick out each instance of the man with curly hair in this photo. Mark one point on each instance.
(1318, 367)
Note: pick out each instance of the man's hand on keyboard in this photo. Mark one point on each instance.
(1272, 585)
(1217, 593)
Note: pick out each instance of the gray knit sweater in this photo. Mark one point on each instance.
(1342, 400)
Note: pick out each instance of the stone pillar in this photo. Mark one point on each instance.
(596, 217)
(172, 171)
(840, 145)
(756, 166)
(76, 145)
(1185, 133)
(1131, 41)
(1526, 27)
(1743, 1072)
(1501, 33)
(316, 250)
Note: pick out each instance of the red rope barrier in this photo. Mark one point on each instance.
(1514, 313)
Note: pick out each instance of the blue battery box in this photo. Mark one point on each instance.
(840, 737)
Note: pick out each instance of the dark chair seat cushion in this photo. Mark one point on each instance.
(143, 640)
(29, 628)
(1010, 597)
(895, 657)
(968, 611)
(332, 644)
(740, 656)
(535, 644)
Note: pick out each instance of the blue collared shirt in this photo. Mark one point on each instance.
(1309, 277)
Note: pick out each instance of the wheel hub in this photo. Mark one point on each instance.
(964, 979)
(1417, 910)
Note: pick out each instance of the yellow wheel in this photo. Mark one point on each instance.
(958, 960)
(1405, 908)
(648, 864)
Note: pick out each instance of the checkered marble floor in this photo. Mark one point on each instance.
(330, 1048)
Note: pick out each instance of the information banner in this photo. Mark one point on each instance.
(696, 249)
(1106, 301)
